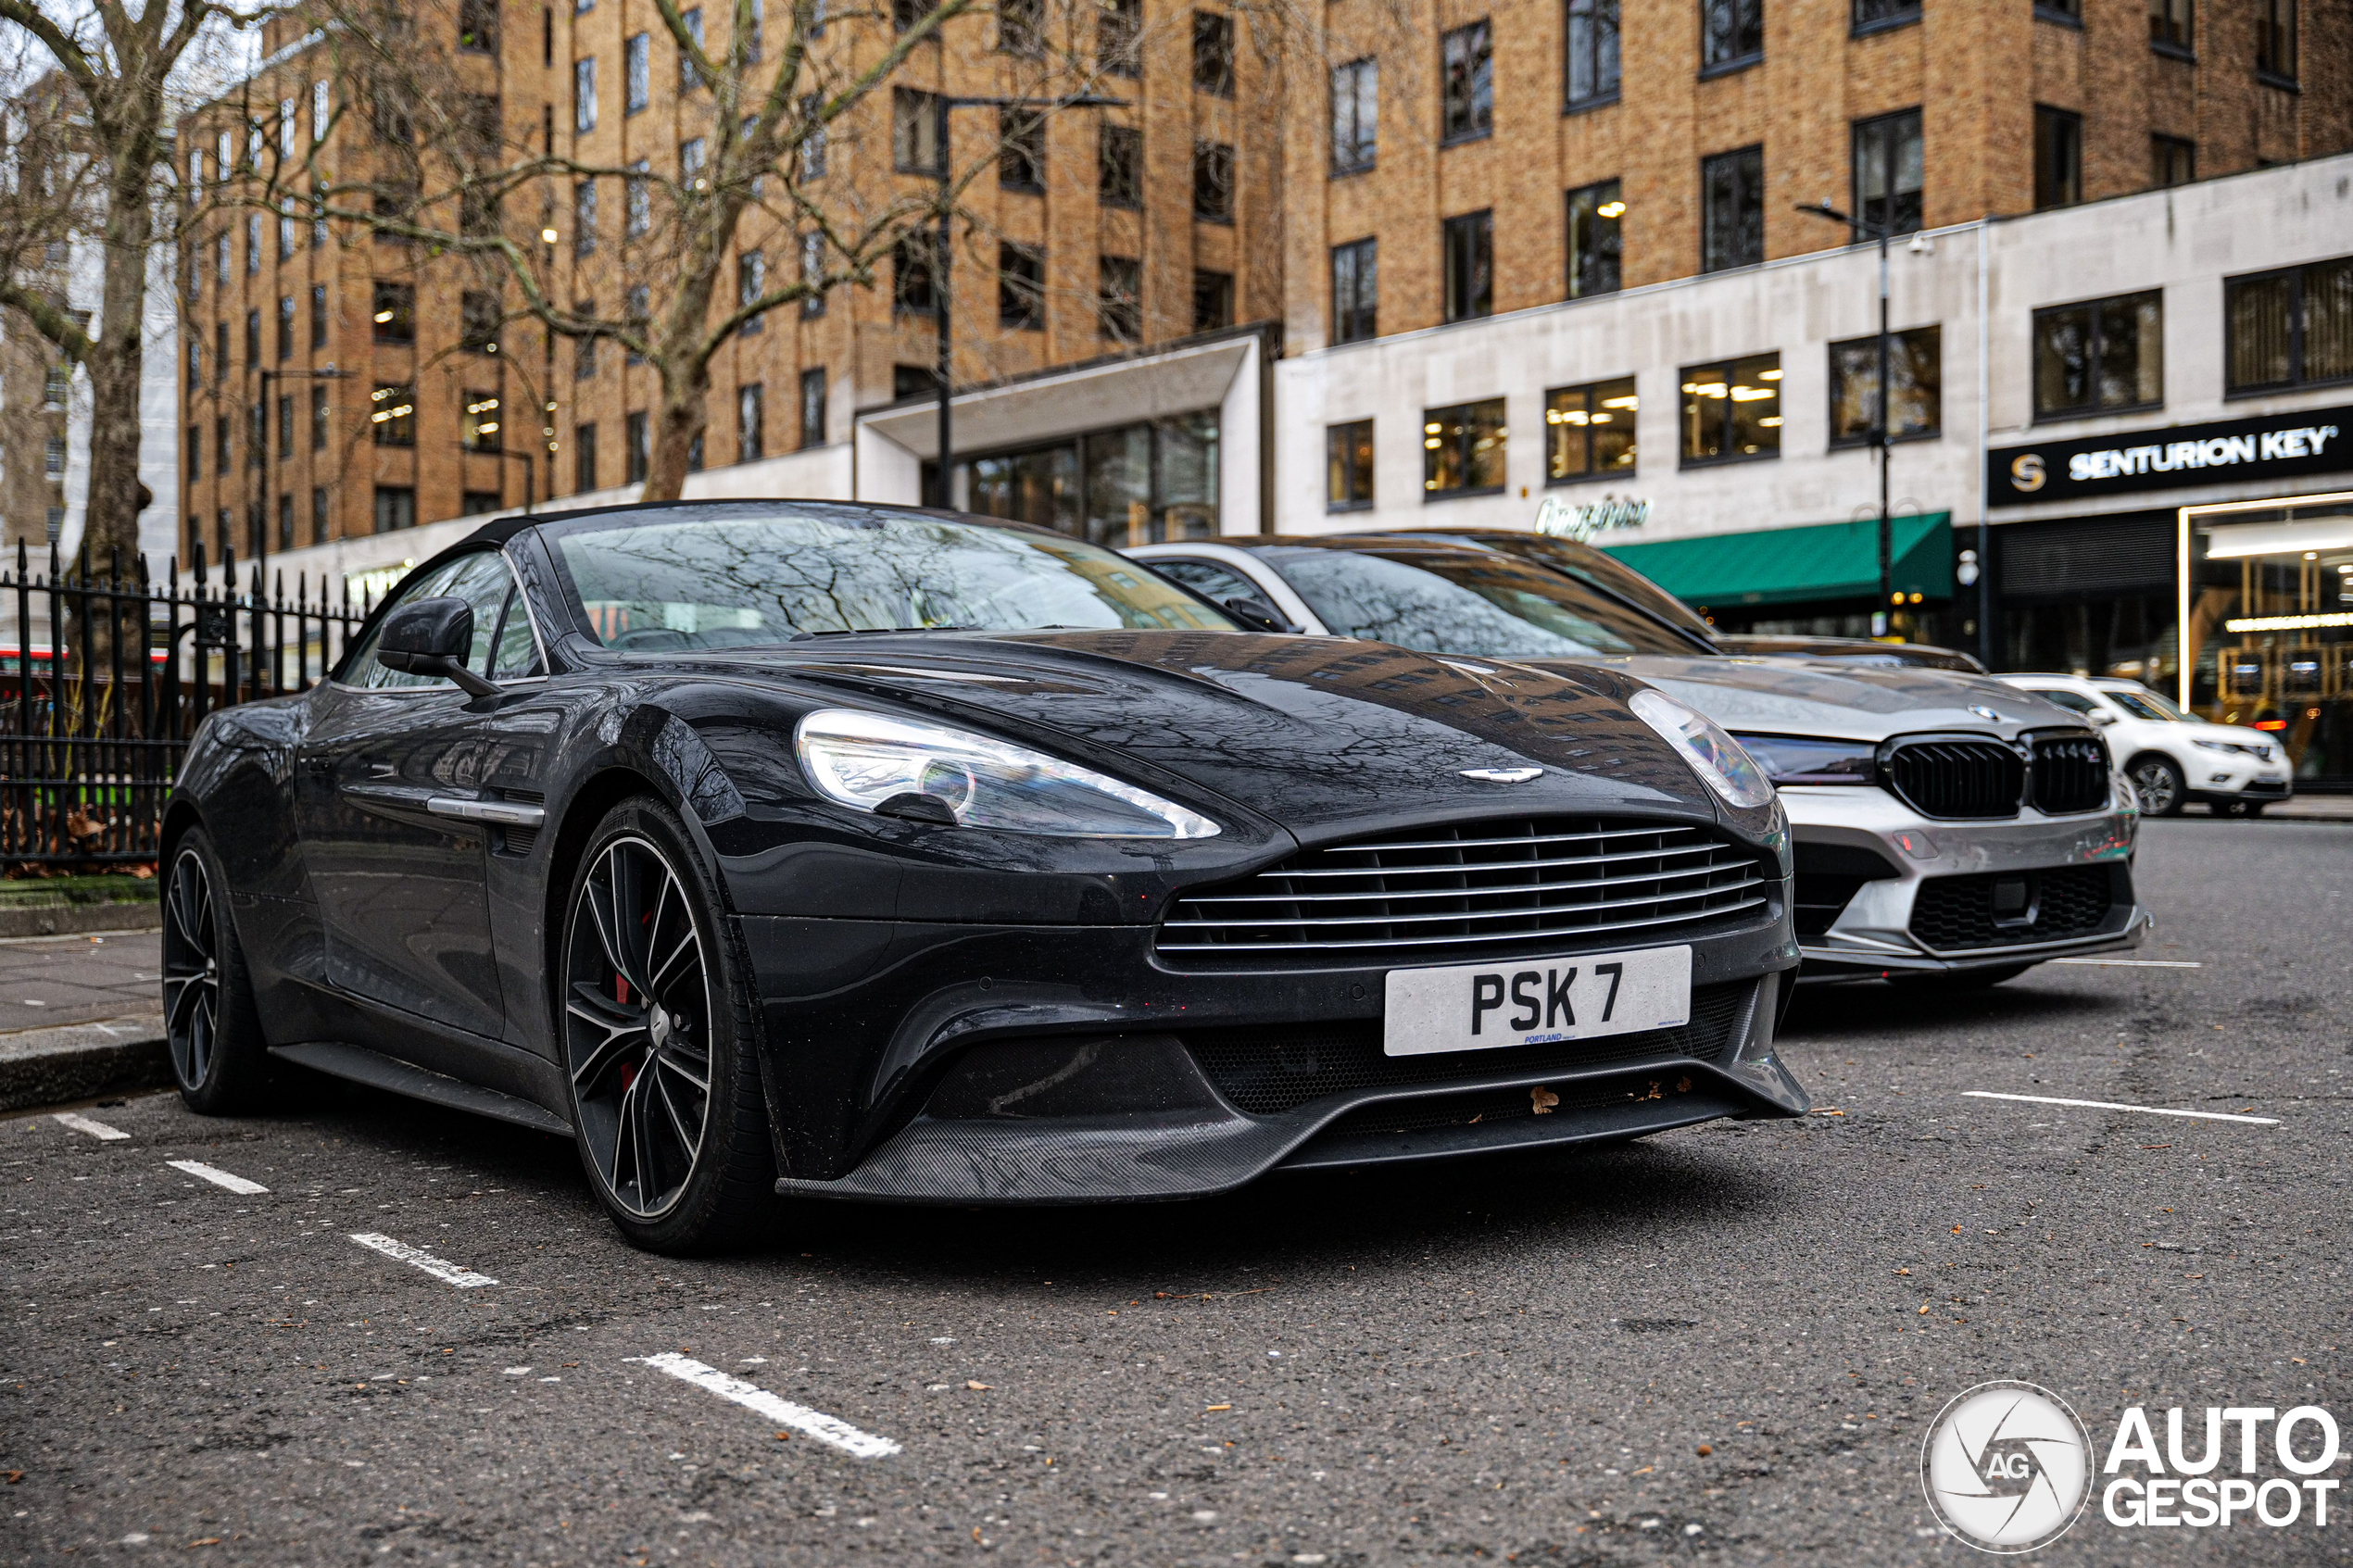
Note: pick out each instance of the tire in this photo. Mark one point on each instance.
(2162, 789)
(1962, 979)
(2255, 807)
(219, 1057)
(655, 1005)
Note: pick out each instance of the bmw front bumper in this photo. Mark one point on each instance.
(1881, 889)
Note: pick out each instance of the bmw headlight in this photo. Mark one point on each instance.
(864, 759)
(1714, 755)
(1801, 760)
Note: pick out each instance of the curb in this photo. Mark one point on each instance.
(82, 1060)
(74, 919)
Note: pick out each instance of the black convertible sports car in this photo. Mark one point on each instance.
(891, 854)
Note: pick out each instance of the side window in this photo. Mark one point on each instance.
(482, 580)
(1207, 577)
(517, 653)
(2074, 702)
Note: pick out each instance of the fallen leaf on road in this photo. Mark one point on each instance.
(784, 1436)
(978, 1386)
(1923, 1311)
(15, 1476)
(1221, 1407)
(208, 1540)
(1902, 1270)
(1705, 1449)
(1543, 1099)
(1833, 1110)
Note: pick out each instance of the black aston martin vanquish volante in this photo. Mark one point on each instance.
(893, 854)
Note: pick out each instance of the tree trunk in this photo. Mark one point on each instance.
(117, 358)
(684, 365)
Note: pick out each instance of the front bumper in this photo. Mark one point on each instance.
(1883, 889)
(1030, 1064)
(2216, 778)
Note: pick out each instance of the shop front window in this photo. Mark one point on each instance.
(2270, 629)
(1143, 484)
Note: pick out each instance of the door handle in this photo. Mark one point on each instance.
(506, 813)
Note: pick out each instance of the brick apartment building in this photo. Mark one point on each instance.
(339, 387)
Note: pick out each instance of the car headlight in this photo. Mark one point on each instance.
(863, 760)
(1795, 759)
(2227, 748)
(1714, 755)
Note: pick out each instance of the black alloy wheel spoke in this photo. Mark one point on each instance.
(191, 970)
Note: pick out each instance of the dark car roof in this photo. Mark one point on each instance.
(499, 530)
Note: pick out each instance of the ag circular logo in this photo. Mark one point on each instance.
(2006, 1467)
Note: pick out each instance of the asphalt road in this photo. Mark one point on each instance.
(1710, 1345)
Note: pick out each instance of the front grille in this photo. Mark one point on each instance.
(2266, 786)
(1502, 1105)
(1269, 1070)
(1481, 889)
(1957, 777)
(2070, 773)
(1952, 914)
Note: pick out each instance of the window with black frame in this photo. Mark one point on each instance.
(1119, 30)
(2172, 161)
(1355, 115)
(813, 407)
(1591, 73)
(2275, 41)
(1871, 16)
(1469, 242)
(2099, 355)
(1588, 431)
(1888, 172)
(1119, 297)
(1466, 63)
(1214, 54)
(1214, 181)
(1021, 286)
(1732, 35)
(2059, 156)
(1355, 291)
(1732, 209)
(1120, 167)
(1733, 411)
(1212, 300)
(1916, 369)
(1348, 464)
(1020, 149)
(1594, 245)
(912, 277)
(2293, 326)
(1463, 450)
(391, 416)
(2170, 26)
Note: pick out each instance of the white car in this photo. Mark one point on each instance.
(2172, 758)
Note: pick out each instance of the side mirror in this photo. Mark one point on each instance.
(2102, 720)
(1256, 613)
(432, 638)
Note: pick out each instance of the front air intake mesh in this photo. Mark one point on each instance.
(1957, 914)
(2070, 773)
(1957, 777)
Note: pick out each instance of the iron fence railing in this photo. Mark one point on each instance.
(106, 674)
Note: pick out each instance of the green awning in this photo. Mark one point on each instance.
(1778, 566)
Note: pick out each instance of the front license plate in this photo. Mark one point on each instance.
(1533, 1002)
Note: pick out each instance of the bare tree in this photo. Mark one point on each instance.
(122, 66)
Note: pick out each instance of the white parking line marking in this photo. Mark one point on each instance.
(441, 1269)
(217, 1177)
(2133, 964)
(83, 1124)
(784, 1412)
(2108, 1105)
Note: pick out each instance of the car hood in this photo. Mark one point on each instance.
(1321, 737)
(1777, 697)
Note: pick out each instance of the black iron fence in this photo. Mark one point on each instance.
(105, 675)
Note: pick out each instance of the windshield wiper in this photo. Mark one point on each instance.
(875, 631)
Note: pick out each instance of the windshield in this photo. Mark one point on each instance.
(2074, 702)
(1466, 602)
(744, 576)
(1606, 572)
(2146, 705)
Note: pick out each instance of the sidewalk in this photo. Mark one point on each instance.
(78, 1016)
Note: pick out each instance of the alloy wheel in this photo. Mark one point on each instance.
(638, 1026)
(191, 970)
(2159, 792)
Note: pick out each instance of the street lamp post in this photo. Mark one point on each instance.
(945, 492)
(1880, 231)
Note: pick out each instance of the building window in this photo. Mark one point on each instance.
(584, 347)
(285, 327)
(584, 96)
(905, 14)
(392, 414)
(813, 275)
(638, 220)
(583, 218)
(751, 284)
(195, 363)
(1916, 369)
(1355, 115)
(1348, 467)
(1020, 149)
(2290, 328)
(1871, 15)
(285, 234)
(584, 457)
(1120, 297)
(639, 449)
(285, 522)
(1888, 170)
(637, 73)
(55, 382)
(479, 315)
(318, 418)
(1119, 31)
(318, 315)
(319, 515)
(1021, 286)
(2172, 161)
(2059, 156)
(253, 245)
(395, 313)
(53, 457)
(693, 154)
(478, 25)
(253, 337)
(1594, 241)
(195, 453)
(1588, 431)
(636, 316)
(1592, 72)
(1469, 242)
(751, 423)
(1732, 209)
(1214, 181)
(1214, 54)
(220, 446)
(257, 439)
(2275, 40)
(478, 422)
(813, 407)
(2099, 355)
(473, 502)
(285, 426)
(1120, 176)
(690, 22)
(1733, 411)
(1467, 61)
(2170, 26)
(914, 290)
(2067, 12)
(396, 507)
(914, 132)
(1463, 450)
(1732, 35)
(1021, 28)
(1355, 291)
(1212, 300)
